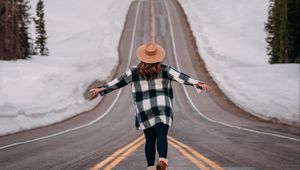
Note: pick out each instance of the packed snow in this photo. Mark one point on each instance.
(231, 40)
(83, 42)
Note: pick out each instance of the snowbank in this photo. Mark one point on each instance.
(230, 38)
(83, 42)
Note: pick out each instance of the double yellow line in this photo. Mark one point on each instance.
(198, 159)
(114, 159)
(195, 157)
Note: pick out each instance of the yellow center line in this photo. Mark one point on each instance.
(118, 152)
(152, 22)
(114, 159)
(197, 154)
(123, 156)
(189, 156)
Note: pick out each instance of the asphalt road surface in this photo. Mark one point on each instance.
(208, 132)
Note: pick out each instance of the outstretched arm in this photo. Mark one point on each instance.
(116, 83)
(185, 79)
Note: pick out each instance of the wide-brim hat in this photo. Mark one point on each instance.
(150, 53)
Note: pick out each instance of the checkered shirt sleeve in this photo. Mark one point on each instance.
(118, 82)
(181, 77)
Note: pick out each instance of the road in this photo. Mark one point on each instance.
(209, 132)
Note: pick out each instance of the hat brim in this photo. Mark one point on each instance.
(142, 56)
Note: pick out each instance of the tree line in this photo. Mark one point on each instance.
(283, 31)
(15, 40)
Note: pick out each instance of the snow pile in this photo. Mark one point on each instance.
(230, 37)
(83, 40)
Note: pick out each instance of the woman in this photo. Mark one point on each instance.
(152, 93)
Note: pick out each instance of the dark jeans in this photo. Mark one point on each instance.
(158, 133)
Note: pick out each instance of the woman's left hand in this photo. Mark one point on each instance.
(203, 86)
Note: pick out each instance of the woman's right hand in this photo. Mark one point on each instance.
(94, 91)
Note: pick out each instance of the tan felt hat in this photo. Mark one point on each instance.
(150, 53)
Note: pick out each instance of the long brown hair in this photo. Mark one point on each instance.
(149, 71)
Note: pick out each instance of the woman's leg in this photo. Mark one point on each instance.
(161, 132)
(150, 145)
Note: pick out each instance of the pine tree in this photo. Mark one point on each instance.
(283, 31)
(24, 18)
(11, 46)
(41, 38)
(293, 29)
(282, 11)
(273, 29)
(270, 29)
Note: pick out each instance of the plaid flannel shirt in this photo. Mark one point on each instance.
(153, 99)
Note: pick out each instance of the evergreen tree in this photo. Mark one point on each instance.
(13, 29)
(270, 29)
(283, 31)
(293, 31)
(24, 19)
(41, 38)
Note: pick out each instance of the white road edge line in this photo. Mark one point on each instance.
(100, 117)
(192, 103)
